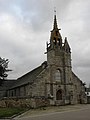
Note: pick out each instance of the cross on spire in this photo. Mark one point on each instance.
(54, 10)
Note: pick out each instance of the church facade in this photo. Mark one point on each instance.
(54, 79)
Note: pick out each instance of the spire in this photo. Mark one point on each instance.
(55, 39)
(66, 46)
(55, 21)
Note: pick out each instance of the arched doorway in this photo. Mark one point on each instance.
(59, 95)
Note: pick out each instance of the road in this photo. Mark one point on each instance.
(78, 114)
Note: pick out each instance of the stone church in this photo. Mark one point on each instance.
(54, 79)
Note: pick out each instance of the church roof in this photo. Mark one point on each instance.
(73, 75)
(28, 78)
(6, 84)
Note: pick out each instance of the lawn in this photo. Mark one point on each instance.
(8, 112)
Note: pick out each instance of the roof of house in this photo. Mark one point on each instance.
(28, 77)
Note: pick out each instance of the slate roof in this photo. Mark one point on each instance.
(73, 74)
(6, 84)
(28, 77)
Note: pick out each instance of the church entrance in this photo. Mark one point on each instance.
(59, 95)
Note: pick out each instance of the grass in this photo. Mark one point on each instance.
(8, 112)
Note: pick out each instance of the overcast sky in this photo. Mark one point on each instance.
(25, 27)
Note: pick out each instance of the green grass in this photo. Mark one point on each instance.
(8, 112)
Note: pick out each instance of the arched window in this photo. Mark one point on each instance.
(58, 75)
(55, 42)
(59, 95)
(59, 41)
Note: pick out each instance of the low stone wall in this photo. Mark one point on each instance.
(42, 102)
(24, 102)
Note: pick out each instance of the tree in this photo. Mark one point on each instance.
(3, 68)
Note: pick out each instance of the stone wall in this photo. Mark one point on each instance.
(79, 90)
(24, 102)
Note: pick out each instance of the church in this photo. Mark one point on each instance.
(52, 81)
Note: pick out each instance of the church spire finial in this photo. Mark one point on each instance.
(54, 10)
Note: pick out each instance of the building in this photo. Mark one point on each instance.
(88, 94)
(4, 86)
(54, 79)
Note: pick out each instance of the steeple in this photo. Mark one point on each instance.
(55, 21)
(55, 39)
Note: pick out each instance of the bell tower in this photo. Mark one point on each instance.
(56, 39)
(59, 62)
(55, 47)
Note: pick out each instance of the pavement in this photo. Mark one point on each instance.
(70, 112)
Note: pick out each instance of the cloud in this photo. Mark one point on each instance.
(25, 26)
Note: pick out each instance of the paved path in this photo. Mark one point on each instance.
(73, 114)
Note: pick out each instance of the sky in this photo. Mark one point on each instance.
(25, 27)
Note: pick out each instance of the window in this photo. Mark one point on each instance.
(58, 75)
(12, 93)
(55, 42)
(51, 89)
(15, 92)
(24, 90)
(59, 41)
